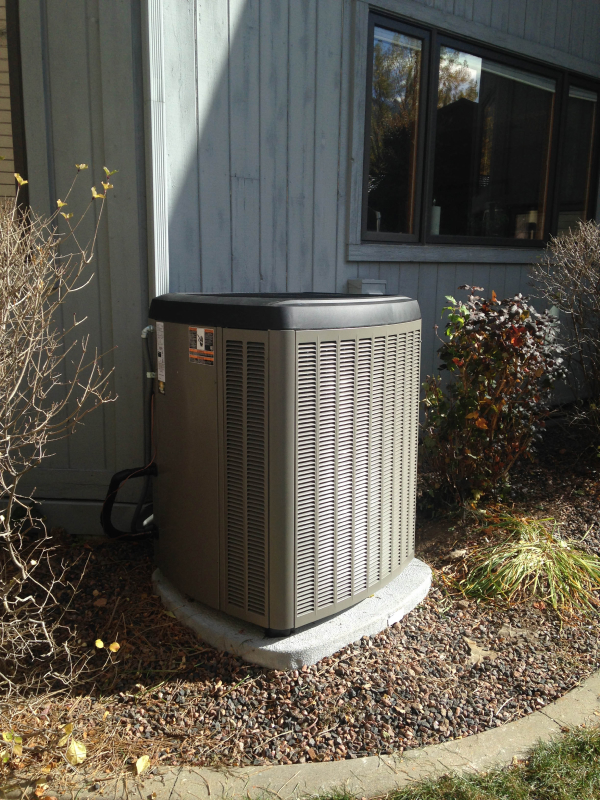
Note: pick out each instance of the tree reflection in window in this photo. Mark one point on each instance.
(394, 126)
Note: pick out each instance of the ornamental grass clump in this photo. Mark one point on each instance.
(534, 562)
(503, 360)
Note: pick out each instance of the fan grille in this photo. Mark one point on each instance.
(356, 440)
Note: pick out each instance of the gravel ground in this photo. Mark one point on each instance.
(449, 669)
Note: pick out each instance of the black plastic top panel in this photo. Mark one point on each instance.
(284, 312)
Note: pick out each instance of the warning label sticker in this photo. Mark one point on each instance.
(202, 345)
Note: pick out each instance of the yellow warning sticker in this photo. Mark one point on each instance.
(202, 345)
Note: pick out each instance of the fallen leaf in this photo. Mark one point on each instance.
(169, 614)
(141, 764)
(40, 789)
(100, 602)
(99, 644)
(76, 752)
(114, 647)
(68, 728)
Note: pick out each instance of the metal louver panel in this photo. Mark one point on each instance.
(306, 478)
(245, 477)
(356, 448)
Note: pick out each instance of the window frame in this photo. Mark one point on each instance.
(583, 82)
(380, 20)
(433, 38)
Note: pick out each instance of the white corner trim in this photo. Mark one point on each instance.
(160, 217)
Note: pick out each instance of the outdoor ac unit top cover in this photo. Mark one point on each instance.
(281, 312)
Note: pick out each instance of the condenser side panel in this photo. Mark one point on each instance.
(244, 393)
(356, 446)
(186, 452)
(282, 441)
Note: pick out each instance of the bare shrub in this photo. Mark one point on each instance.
(568, 277)
(49, 380)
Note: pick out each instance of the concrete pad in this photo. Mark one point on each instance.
(310, 644)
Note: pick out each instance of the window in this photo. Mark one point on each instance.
(466, 145)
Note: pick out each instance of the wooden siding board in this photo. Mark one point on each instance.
(577, 28)
(446, 287)
(273, 144)
(548, 22)
(182, 150)
(533, 20)
(244, 135)
(36, 106)
(327, 119)
(427, 298)
(591, 38)
(95, 128)
(125, 302)
(464, 277)
(459, 8)
(344, 154)
(513, 281)
(212, 48)
(357, 143)
(302, 77)
(497, 281)
(70, 97)
(563, 25)
(408, 280)
(482, 12)
(390, 273)
(516, 18)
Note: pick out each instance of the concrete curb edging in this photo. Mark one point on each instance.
(377, 775)
(310, 644)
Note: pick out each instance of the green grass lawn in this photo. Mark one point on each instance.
(565, 769)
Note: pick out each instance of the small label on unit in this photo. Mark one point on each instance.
(160, 350)
(202, 345)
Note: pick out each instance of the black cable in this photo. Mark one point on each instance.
(144, 504)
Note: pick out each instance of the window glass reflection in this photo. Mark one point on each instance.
(576, 159)
(394, 125)
(493, 126)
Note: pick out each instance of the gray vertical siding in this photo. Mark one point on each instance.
(257, 130)
(82, 86)
(259, 147)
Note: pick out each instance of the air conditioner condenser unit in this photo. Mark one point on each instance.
(286, 431)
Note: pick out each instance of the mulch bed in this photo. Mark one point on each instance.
(449, 669)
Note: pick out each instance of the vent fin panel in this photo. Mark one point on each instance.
(246, 475)
(357, 418)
